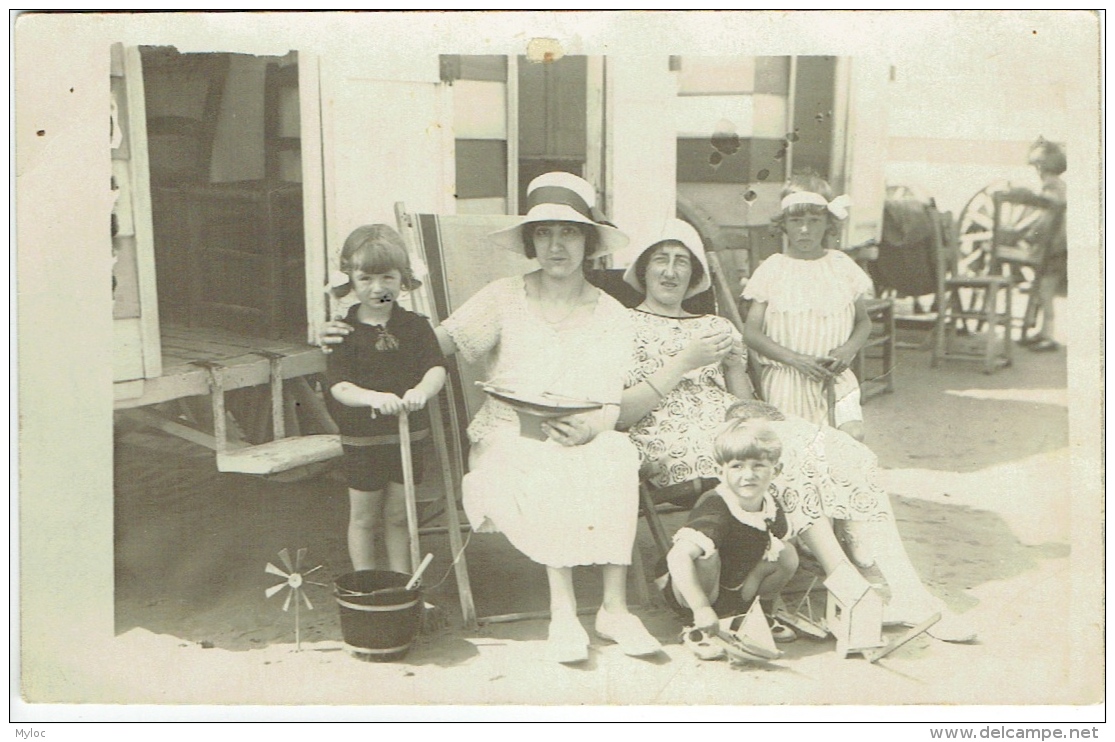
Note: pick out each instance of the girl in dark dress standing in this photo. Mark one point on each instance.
(390, 363)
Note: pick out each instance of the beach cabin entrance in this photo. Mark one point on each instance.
(211, 243)
(226, 190)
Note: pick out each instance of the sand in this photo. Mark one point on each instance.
(976, 466)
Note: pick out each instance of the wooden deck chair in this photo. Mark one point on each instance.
(881, 343)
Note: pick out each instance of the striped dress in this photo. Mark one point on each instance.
(810, 310)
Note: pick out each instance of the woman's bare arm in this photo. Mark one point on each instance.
(445, 341)
(737, 380)
(640, 399)
(846, 353)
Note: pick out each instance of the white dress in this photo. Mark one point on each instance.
(560, 506)
(827, 472)
(810, 310)
(824, 471)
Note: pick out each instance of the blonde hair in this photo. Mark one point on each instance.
(806, 182)
(753, 409)
(746, 439)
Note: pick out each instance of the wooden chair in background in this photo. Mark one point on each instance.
(1024, 225)
(880, 345)
(984, 299)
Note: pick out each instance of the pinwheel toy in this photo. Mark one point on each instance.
(295, 580)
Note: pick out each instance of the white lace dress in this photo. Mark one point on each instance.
(826, 471)
(560, 506)
(810, 310)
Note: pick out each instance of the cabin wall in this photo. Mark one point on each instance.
(745, 123)
(956, 127)
(640, 148)
(136, 345)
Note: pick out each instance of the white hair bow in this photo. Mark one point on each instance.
(838, 207)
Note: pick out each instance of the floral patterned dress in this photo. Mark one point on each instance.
(674, 439)
(825, 471)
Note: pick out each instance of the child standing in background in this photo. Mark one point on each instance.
(1049, 160)
(808, 317)
(390, 363)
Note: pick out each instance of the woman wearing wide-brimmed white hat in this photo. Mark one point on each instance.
(570, 499)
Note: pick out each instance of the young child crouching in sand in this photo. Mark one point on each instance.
(730, 551)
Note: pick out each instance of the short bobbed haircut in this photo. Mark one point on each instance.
(746, 439)
(808, 182)
(377, 248)
(1050, 157)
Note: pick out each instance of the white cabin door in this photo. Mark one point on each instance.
(859, 158)
(386, 138)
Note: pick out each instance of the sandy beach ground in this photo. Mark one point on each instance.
(977, 466)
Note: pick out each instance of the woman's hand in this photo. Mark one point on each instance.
(571, 430)
(414, 400)
(332, 333)
(737, 354)
(841, 360)
(706, 350)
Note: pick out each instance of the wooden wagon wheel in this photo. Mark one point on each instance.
(976, 226)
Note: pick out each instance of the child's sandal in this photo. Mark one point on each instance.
(697, 642)
(782, 633)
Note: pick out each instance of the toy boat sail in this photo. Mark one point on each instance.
(747, 637)
(804, 622)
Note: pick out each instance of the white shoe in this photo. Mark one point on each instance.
(697, 642)
(626, 630)
(567, 641)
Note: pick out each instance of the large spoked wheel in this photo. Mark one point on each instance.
(977, 222)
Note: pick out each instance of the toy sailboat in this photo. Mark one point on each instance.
(747, 637)
(803, 621)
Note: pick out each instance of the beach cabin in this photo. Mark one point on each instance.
(239, 174)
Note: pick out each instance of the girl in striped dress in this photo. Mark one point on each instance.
(807, 318)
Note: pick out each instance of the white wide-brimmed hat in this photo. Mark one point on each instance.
(674, 230)
(561, 197)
